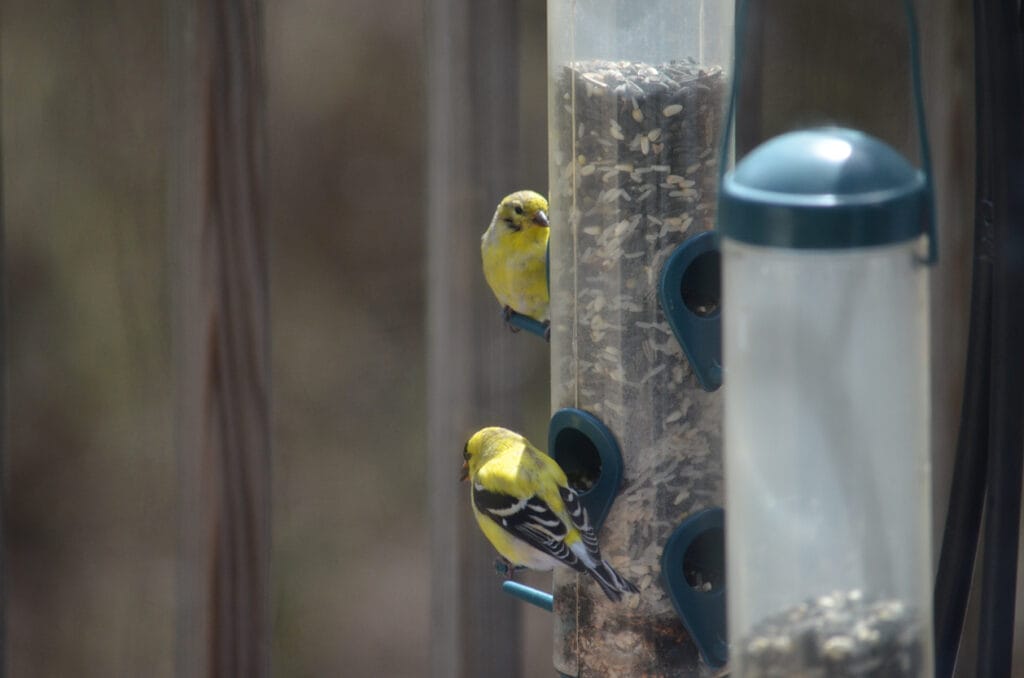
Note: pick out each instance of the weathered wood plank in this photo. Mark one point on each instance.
(5, 435)
(478, 373)
(222, 350)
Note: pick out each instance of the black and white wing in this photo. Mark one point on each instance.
(612, 583)
(581, 519)
(531, 520)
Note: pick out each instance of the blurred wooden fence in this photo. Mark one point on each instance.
(218, 219)
(4, 432)
(477, 371)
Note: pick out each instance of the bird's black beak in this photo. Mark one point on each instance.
(540, 218)
(465, 471)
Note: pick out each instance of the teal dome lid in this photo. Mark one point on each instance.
(826, 188)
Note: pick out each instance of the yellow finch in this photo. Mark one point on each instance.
(514, 249)
(527, 510)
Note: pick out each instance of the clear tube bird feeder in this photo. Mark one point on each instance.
(826, 417)
(826, 236)
(636, 98)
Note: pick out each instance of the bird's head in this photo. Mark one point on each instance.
(484, 444)
(522, 210)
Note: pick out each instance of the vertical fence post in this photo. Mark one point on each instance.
(4, 429)
(476, 369)
(218, 228)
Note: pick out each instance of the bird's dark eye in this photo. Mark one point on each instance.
(519, 209)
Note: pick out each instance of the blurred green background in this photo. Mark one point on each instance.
(91, 474)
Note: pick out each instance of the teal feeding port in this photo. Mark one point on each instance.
(693, 569)
(690, 292)
(588, 453)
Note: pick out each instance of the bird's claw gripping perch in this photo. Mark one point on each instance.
(506, 569)
(507, 314)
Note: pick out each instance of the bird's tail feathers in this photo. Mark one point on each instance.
(612, 583)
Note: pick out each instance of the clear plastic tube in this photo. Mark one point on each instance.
(635, 111)
(828, 524)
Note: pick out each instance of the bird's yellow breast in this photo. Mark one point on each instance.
(515, 267)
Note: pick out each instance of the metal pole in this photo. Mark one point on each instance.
(1000, 75)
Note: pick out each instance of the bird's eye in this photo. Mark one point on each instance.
(519, 209)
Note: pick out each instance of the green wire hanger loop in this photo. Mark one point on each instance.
(929, 226)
